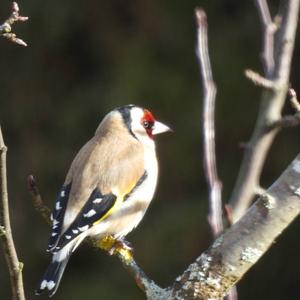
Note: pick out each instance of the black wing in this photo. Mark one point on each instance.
(58, 214)
(94, 210)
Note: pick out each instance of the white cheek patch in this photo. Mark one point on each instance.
(136, 117)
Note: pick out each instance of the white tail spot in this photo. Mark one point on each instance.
(50, 285)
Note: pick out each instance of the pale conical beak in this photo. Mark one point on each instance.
(160, 128)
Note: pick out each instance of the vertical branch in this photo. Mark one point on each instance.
(209, 87)
(270, 110)
(6, 239)
(269, 29)
(215, 185)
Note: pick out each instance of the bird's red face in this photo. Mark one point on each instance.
(148, 122)
(140, 123)
(152, 126)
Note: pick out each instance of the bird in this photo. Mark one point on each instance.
(107, 189)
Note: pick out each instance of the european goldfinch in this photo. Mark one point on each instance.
(108, 188)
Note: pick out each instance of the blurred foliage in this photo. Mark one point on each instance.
(85, 58)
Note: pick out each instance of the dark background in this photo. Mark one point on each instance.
(86, 57)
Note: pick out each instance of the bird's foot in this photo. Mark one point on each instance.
(107, 243)
(114, 246)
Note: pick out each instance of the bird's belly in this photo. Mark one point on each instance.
(123, 220)
(130, 212)
(128, 217)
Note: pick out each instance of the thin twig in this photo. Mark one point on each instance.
(151, 289)
(289, 120)
(285, 122)
(6, 27)
(269, 28)
(259, 80)
(215, 216)
(209, 87)
(37, 200)
(6, 239)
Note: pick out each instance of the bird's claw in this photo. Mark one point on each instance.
(124, 245)
(117, 247)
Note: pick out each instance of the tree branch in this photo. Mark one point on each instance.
(37, 200)
(6, 27)
(269, 28)
(270, 112)
(289, 120)
(215, 216)
(239, 248)
(6, 239)
(209, 87)
(259, 80)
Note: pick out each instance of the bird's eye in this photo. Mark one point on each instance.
(147, 124)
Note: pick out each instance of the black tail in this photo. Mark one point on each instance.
(51, 279)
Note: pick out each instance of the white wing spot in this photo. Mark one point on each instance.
(55, 222)
(75, 231)
(67, 237)
(57, 206)
(90, 213)
(83, 228)
(54, 226)
(54, 234)
(62, 194)
(97, 200)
